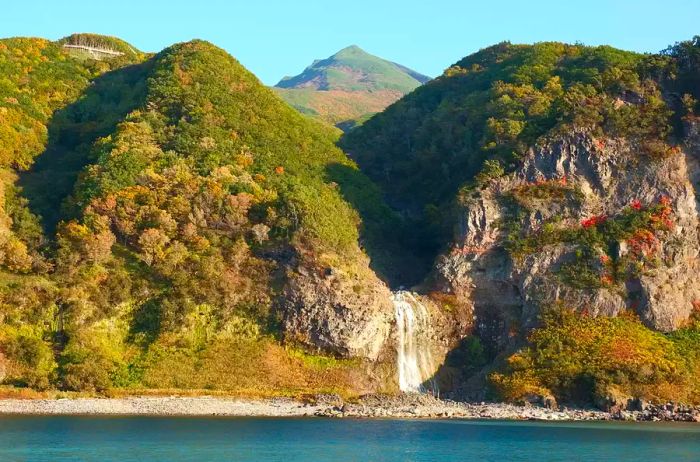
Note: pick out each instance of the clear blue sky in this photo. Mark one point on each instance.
(274, 38)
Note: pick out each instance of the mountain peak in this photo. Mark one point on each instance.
(353, 69)
(352, 50)
(348, 86)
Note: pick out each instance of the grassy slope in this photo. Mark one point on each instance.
(348, 86)
(353, 69)
(336, 106)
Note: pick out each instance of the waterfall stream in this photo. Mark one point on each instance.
(414, 359)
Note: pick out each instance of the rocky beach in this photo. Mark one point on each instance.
(371, 406)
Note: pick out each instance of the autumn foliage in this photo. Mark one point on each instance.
(187, 202)
(579, 358)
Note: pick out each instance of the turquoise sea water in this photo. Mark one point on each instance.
(170, 439)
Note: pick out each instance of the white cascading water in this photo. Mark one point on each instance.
(414, 360)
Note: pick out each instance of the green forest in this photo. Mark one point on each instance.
(477, 120)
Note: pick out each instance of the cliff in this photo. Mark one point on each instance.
(520, 244)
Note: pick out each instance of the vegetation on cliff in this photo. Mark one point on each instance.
(488, 109)
(583, 359)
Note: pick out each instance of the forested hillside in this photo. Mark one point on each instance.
(155, 207)
(479, 119)
(497, 103)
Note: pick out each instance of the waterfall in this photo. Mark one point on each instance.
(414, 359)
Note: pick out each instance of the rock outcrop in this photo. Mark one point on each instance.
(329, 309)
(570, 183)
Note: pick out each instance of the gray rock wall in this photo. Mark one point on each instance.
(506, 294)
(349, 315)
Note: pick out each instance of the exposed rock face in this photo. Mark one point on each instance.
(605, 176)
(327, 309)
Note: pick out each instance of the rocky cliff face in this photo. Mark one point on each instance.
(343, 312)
(564, 190)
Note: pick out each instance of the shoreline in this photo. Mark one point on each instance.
(370, 407)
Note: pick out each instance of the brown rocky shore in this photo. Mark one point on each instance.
(370, 406)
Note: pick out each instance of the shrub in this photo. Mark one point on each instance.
(577, 357)
(32, 357)
(91, 374)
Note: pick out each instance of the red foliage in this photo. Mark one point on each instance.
(662, 218)
(643, 243)
(636, 204)
(594, 221)
(468, 250)
(674, 150)
(606, 279)
(542, 181)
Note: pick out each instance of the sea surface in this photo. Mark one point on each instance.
(176, 439)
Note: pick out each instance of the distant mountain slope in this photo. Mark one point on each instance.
(354, 69)
(98, 47)
(347, 86)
